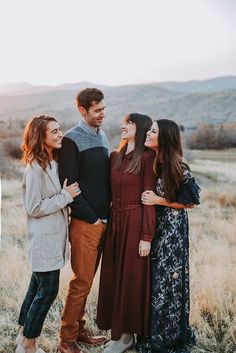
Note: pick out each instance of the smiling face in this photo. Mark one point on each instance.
(152, 137)
(95, 114)
(53, 136)
(128, 130)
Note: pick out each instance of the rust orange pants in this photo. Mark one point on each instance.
(86, 248)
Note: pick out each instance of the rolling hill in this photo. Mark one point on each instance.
(188, 103)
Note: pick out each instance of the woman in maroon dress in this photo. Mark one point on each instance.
(124, 293)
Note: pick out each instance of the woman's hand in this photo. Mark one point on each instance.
(149, 197)
(144, 248)
(72, 189)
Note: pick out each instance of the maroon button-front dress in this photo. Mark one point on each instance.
(124, 292)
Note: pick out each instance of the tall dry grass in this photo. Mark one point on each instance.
(212, 257)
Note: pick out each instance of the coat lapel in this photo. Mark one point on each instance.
(54, 178)
(56, 182)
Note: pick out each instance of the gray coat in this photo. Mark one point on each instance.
(47, 219)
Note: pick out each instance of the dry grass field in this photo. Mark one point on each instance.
(213, 261)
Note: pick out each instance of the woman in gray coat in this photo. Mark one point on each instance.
(47, 224)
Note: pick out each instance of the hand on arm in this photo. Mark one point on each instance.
(73, 189)
(150, 198)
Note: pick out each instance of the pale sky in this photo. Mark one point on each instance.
(116, 41)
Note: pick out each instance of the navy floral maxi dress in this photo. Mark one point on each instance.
(169, 326)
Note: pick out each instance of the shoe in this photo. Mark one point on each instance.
(119, 346)
(21, 349)
(85, 337)
(68, 347)
(18, 339)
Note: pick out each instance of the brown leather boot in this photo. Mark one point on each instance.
(69, 347)
(85, 337)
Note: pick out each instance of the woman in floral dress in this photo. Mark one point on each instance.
(175, 190)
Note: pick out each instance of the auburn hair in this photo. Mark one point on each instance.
(143, 124)
(170, 163)
(33, 147)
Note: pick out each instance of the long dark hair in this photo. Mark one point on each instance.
(143, 124)
(33, 147)
(170, 154)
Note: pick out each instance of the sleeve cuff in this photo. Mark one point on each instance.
(69, 199)
(189, 193)
(147, 237)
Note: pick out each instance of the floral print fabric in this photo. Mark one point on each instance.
(169, 326)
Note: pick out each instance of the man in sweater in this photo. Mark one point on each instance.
(84, 158)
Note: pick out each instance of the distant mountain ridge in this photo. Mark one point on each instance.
(209, 85)
(22, 88)
(216, 84)
(189, 103)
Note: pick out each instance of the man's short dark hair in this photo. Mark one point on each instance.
(87, 96)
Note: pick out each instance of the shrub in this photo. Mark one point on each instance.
(12, 148)
(209, 136)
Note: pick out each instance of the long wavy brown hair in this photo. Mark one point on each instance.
(170, 154)
(33, 147)
(143, 124)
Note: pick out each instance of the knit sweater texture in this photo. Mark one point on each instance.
(84, 157)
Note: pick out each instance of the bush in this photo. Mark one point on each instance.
(209, 136)
(12, 148)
